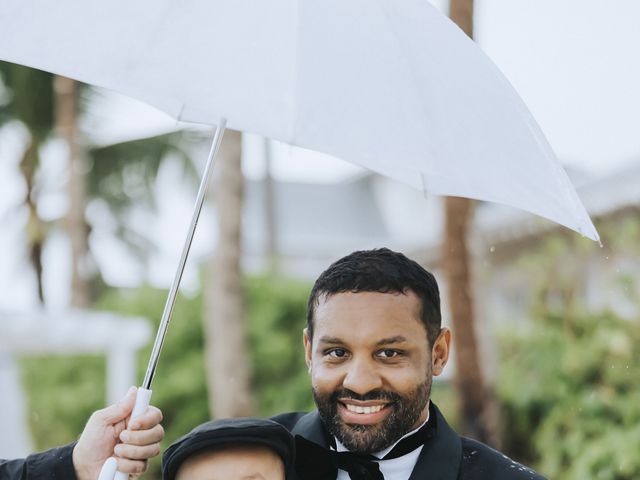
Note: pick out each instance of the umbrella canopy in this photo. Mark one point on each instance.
(391, 85)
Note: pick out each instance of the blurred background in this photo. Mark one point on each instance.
(96, 192)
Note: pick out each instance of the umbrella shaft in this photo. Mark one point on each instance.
(168, 307)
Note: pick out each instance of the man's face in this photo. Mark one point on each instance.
(371, 366)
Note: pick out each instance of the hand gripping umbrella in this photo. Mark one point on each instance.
(391, 85)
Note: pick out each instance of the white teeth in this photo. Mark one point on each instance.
(359, 409)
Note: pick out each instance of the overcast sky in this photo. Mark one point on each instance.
(576, 63)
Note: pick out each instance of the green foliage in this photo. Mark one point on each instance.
(568, 387)
(26, 95)
(568, 377)
(62, 394)
(444, 395)
(277, 316)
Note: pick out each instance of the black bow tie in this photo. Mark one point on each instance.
(314, 462)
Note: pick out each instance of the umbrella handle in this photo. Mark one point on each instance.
(108, 471)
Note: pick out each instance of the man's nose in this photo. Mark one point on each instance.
(362, 377)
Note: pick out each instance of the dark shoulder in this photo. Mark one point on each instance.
(483, 462)
(288, 420)
(48, 465)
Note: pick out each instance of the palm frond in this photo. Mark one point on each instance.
(27, 95)
(123, 174)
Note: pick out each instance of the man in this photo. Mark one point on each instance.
(373, 342)
(104, 434)
(231, 449)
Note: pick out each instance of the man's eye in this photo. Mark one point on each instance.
(337, 353)
(388, 353)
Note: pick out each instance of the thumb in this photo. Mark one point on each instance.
(119, 410)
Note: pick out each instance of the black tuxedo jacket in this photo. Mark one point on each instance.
(445, 456)
(54, 464)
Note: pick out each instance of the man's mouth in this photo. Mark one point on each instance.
(360, 409)
(363, 413)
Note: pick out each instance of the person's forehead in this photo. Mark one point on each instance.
(350, 312)
(236, 462)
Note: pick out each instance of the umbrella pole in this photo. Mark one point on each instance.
(143, 396)
(168, 308)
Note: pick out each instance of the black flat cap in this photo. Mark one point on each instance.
(230, 431)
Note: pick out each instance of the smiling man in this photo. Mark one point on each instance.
(373, 343)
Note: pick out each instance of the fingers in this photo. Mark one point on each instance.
(148, 420)
(143, 437)
(141, 444)
(118, 411)
(136, 452)
(132, 466)
(100, 436)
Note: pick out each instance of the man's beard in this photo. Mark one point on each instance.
(405, 412)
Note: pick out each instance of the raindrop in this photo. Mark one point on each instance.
(492, 248)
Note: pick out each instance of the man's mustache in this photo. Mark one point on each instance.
(344, 393)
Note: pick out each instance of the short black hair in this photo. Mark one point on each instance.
(384, 271)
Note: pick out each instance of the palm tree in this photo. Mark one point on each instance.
(122, 176)
(270, 209)
(39, 101)
(228, 365)
(27, 97)
(67, 96)
(477, 411)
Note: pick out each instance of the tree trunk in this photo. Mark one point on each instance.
(270, 210)
(35, 228)
(228, 365)
(477, 411)
(66, 103)
(461, 12)
(469, 380)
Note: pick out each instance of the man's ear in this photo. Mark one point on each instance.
(440, 351)
(306, 340)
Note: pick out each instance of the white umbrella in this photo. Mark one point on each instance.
(391, 85)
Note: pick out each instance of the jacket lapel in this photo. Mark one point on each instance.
(441, 455)
(310, 427)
